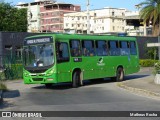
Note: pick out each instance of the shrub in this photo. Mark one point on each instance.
(157, 68)
(13, 71)
(3, 86)
(147, 62)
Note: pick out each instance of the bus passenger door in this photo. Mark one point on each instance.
(63, 66)
(134, 59)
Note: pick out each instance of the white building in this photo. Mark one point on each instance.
(134, 26)
(33, 15)
(77, 22)
(106, 20)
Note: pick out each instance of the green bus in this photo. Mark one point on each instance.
(58, 58)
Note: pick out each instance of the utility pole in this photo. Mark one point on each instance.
(88, 21)
(29, 17)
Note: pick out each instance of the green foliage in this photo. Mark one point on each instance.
(12, 68)
(3, 86)
(150, 12)
(150, 52)
(157, 68)
(13, 71)
(12, 19)
(147, 62)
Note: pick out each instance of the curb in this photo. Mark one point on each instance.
(139, 91)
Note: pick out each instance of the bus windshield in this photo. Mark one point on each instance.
(38, 55)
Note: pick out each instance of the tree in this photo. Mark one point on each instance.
(12, 18)
(150, 11)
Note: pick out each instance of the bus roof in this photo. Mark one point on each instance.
(84, 36)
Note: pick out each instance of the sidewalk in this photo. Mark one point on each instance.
(143, 85)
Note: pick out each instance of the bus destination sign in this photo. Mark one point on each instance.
(38, 41)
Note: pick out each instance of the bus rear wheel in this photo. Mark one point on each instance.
(76, 79)
(119, 74)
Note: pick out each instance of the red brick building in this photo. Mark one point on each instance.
(52, 15)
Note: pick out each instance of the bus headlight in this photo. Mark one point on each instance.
(50, 72)
(25, 73)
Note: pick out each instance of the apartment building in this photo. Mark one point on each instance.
(52, 15)
(77, 22)
(134, 26)
(47, 15)
(33, 15)
(106, 20)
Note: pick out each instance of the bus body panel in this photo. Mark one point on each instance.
(90, 66)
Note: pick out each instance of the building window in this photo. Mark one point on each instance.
(42, 21)
(18, 51)
(113, 28)
(8, 49)
(113, 13)
(42, 14)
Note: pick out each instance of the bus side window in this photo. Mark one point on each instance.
(124, 48)
(62, 52)
(133, 49)
(101, 48)
(88, 48)
(75, 48)
(113, 48)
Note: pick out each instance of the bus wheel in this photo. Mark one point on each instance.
(76, 79)
(48, 85)
(119, 74)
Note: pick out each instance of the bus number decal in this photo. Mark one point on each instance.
(77, 59)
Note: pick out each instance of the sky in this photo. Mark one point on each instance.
(94, 4)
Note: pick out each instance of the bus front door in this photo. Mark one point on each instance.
(63, 66)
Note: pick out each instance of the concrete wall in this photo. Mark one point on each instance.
(15, 39)
(142, 43)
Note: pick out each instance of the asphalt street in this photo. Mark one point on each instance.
(93, 96)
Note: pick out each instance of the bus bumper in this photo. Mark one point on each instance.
(42, 79)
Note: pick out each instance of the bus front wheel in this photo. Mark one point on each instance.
(119, 74)
(76, 79)
(48, 85)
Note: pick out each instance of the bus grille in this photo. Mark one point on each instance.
(37, 79)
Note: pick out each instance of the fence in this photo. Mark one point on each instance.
(10, 68)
